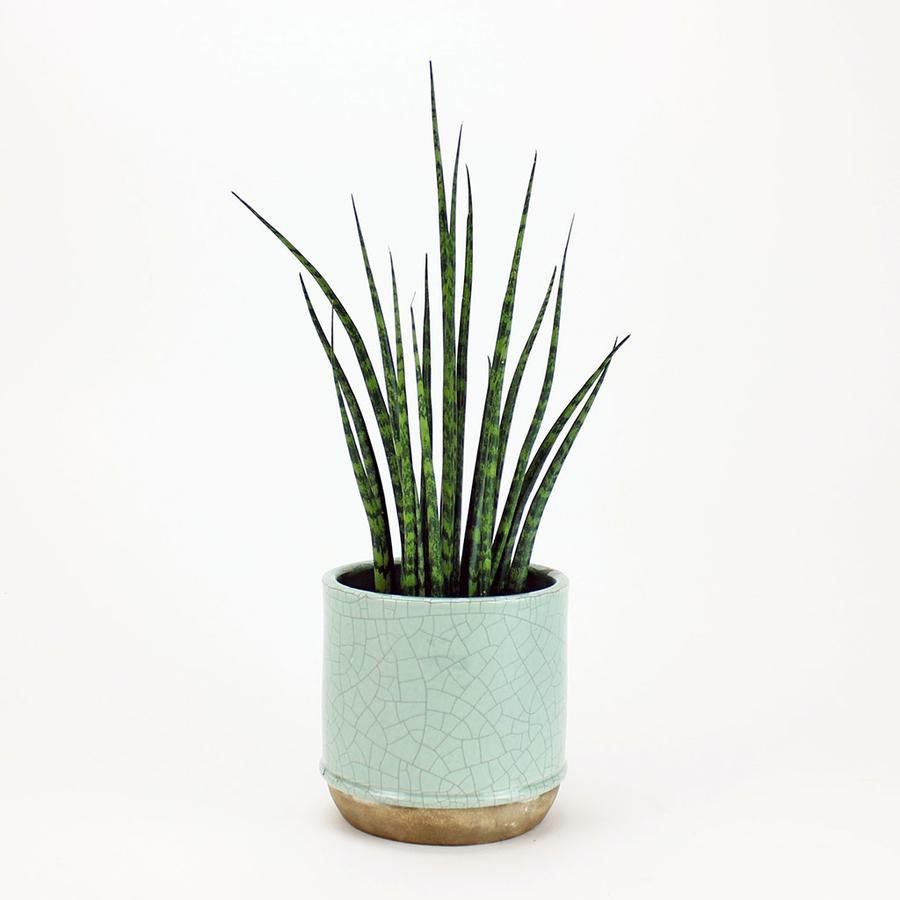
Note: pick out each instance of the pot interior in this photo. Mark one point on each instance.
(363, 579)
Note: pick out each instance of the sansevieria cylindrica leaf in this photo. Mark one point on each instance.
(522, 558)
(409, 526)
(371, 491)
(382, 416)
(540, 457)
(434, 575)
(502, 534)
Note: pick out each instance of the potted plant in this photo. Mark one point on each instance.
(444, 682)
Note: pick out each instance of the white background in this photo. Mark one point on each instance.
(173, 480)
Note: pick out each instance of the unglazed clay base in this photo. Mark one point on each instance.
(476, 825)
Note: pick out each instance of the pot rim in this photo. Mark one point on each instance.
(559, 582)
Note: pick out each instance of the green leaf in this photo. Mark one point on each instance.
(426, 349)
(502, 535)
(452, 225)
(381, 571)
(462, 356)
(448, 296)
(522, 558)
(470, 573)
(427, 534)
(409, 527)
(382, 417)
(502, 576)
(390, 376)
(368, 478)
(434, 583)
(512, 393)
(480, 553)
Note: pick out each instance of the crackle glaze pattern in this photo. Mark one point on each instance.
(444, 702)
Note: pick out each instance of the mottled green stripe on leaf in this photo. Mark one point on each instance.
(372, 493)
(500, 540)
(521, 560)
(382, 417)
(462, 357)
(434, 583)
(540, 457)
(512, 393)
(448, 316)
(486, 461)
(409, 527)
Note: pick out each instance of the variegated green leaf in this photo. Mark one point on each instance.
(499, 550)
(409, 527)
(512, 393)
(521, 560)
(462, 357)
(533, 472)
(490, 426)
(373, 492)
(434, 580)
(382, 416)
(448, 316)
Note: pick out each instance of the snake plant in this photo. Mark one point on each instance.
(441, 551)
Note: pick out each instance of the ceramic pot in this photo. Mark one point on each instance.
(444, 717)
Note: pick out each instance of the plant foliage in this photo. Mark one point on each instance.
(443, 553)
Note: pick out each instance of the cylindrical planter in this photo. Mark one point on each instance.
(444, 717)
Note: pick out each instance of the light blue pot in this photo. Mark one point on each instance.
(444, 703)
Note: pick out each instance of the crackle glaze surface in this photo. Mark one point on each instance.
(444, 702)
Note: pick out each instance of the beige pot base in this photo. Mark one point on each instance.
(477, 825)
